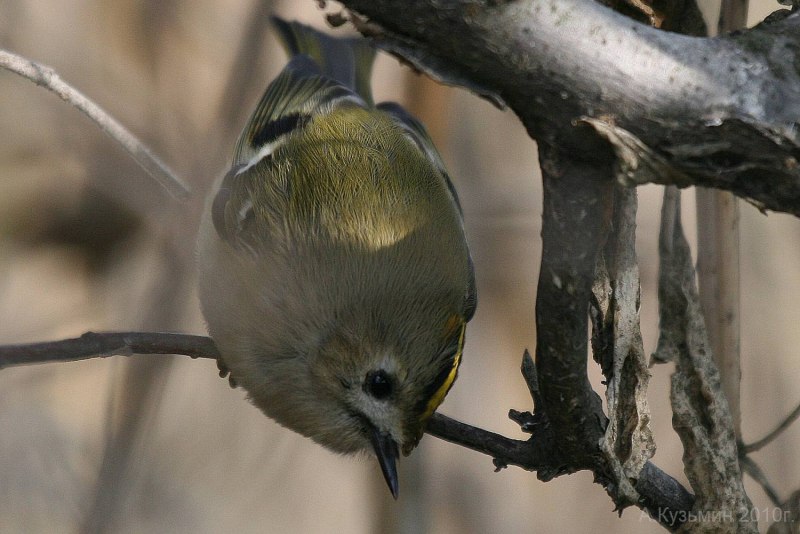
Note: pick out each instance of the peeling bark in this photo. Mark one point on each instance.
(701, 416)
(617, 343)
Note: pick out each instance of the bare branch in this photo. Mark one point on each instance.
(46, 77)
(751, 468)
(102, 345)
(693, 104)
(791, 418)
(660, 494)
(577, 215)
(505, 451)
(575, 221)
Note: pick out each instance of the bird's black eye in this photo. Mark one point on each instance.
(378, 384)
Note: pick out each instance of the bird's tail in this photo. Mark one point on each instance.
(346, 60)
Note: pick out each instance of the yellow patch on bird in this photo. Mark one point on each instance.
(438, 397)
(361, 182)
(453, 322)
(374, 234)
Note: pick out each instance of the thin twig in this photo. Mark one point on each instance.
(506, 451)
(46, 77)
(751, 468)
(792, 417)
(94, 345)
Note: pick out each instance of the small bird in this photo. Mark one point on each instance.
(334, 273)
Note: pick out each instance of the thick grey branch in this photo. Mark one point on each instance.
(717, 112)
(575, 221)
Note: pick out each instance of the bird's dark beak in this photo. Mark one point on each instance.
(386, 451)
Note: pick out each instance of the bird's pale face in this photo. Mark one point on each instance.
(387, 390)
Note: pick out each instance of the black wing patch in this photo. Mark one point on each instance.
(299, 93)
(279, 127)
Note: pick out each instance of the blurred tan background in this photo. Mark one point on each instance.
(157, 444)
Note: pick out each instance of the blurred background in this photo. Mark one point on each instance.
(161, 444)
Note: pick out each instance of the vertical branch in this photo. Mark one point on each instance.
(732, 15)
(575, 220)
(718, 277)
(718, 261)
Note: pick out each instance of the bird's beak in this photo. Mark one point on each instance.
(386, 451)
